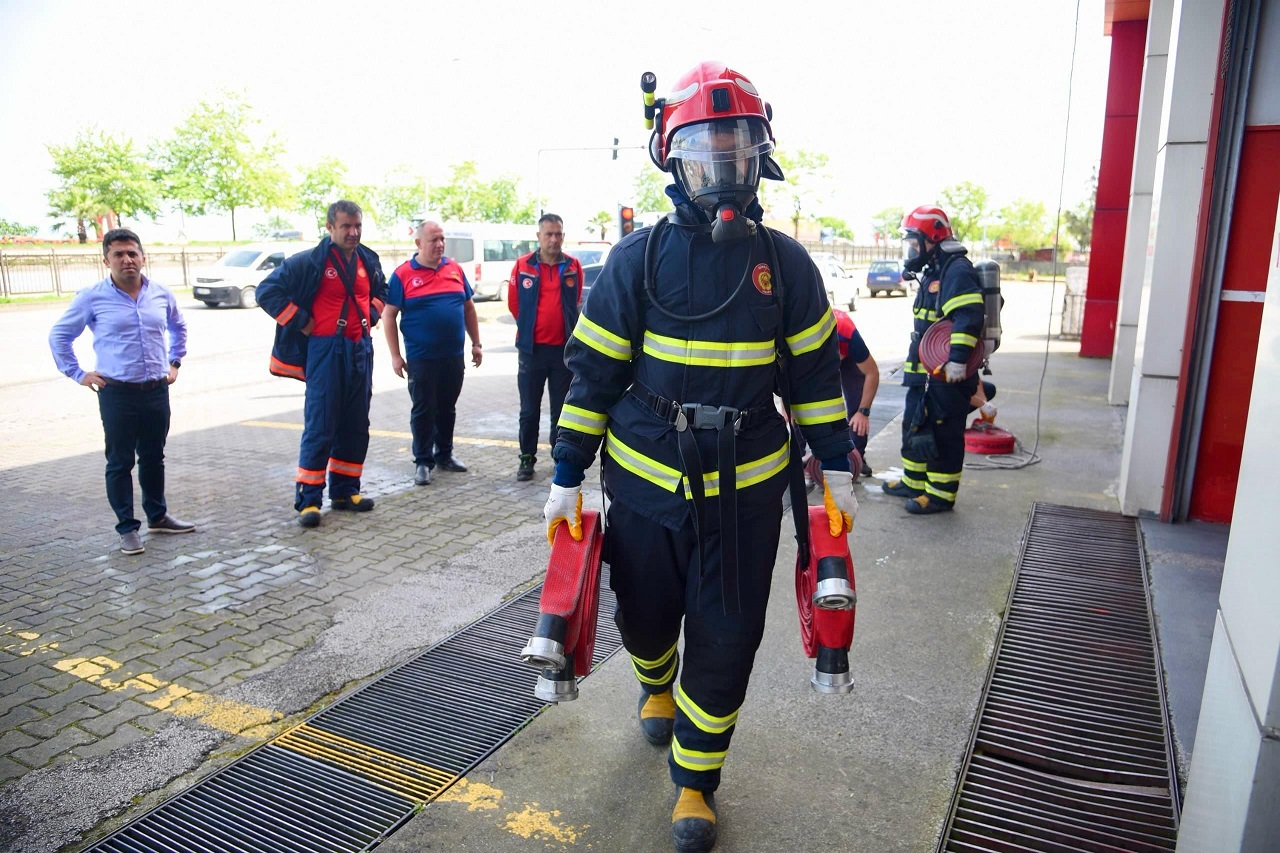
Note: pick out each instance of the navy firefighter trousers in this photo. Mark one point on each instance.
(335, 432)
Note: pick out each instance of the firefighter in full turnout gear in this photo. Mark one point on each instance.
(676, 361)
(934, 415)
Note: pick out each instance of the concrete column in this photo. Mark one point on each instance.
(1194, 48)
(1234, 783)
(1138, 226)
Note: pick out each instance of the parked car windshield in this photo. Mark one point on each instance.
(240, 258)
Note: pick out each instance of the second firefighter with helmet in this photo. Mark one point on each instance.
(937, 401)
(676, 361)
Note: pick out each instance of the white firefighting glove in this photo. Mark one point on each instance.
(838, 498)
(564, 505)
(955, 372)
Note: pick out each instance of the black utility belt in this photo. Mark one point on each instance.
(149, 385)
(685, 416)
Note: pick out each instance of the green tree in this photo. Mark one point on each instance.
(966, 205)
(888, 223)
(321, 185)
(74, 203)
(467, 198)
(807, 176)
(651, 191)
(212, 162)
(98, 174)
(1025, 224)
(838, 226)
(16, 229)
(401, 195)
(1079, 220)
(600, 222)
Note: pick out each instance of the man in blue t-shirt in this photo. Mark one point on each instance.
(434, 296)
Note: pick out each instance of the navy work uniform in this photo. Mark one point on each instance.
(949, 288)
(345, 298)
(666, 397)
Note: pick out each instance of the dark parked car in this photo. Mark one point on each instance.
(886, 277)
(590, 272)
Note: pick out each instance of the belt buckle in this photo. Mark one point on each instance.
(698, 416)
(342, 323)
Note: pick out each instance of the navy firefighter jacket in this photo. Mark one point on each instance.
(289, 292)
(624, 352)
(950, 288)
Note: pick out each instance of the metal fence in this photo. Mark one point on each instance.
(61, 272)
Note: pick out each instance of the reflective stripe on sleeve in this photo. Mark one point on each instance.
(582, 420)
(819, 412)
(602, 340)
(960, 301)
(963, 339)
(814, 336)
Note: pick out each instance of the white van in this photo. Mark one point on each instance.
(487, 251)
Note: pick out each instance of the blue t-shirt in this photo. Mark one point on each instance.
(431, 303)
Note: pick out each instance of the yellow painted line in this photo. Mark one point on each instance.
(390, 433)
(222, 714)
(389, 771)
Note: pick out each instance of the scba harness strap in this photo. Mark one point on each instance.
(686, 417)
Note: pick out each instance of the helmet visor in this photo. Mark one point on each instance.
(720, 155)
(912, 245)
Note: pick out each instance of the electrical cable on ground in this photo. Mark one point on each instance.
(1021, 458)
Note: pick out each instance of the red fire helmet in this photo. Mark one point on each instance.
(710, 91)
(931, 222)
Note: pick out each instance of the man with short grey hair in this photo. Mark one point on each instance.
(433, 294)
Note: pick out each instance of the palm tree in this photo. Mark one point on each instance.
(79, 204)
(601, 220)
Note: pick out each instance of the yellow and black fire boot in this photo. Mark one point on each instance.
(657, 712)
(693, 822)
(925, 505)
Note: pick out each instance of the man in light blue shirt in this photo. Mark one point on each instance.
(129, 316)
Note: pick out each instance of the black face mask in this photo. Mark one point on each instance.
(914, 256)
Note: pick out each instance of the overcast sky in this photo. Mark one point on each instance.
(902, 103)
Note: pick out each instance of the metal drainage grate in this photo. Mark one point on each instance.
(1071, 749)
(352, 774)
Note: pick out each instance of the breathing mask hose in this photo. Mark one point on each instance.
(650, 287)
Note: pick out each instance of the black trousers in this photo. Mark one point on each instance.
(135, 425)
(660, 580)
(544, 366)
(434, 386)
(940, 409)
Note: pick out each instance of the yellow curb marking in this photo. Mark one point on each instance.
(388, 433)
(223, 714)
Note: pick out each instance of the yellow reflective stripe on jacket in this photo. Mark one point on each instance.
(709, 723)
(913, 367)
(962, 338)
(746, 474)
(709, 353)
(925, 314)
(814, 336)
(583, 420)
(602, 340)
(958, 301)
(819, 412)
(691, 759)
(662, 476)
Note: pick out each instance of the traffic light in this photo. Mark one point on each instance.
(626, 220)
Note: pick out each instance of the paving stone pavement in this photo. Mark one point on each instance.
(101, 653)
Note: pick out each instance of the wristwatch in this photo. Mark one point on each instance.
(864, 410)
(175, 363)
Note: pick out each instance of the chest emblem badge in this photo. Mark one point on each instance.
(762, 278)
